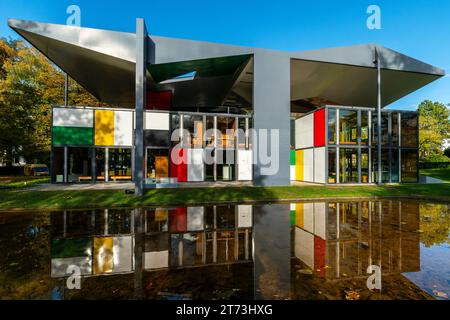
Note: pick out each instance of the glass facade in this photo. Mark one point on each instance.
(220, 136)
(355, 152)
(348, 127)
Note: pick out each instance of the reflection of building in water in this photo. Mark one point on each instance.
(103, 241)
(340, 240)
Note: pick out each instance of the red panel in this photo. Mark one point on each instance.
(178, 220)
(161, 100)
(319, 255)
(319, 128)
(178, 165)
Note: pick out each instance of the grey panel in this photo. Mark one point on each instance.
(271, 107)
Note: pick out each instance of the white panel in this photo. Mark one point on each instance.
(244, 161)
(319, 165)
(308, 216)
(195, 166)
(122, 254)
(195, 218)
(69, 117)
(308, 165)
(292, 173)
(292, 206)
(60, 265)
(156, 259)
(304, 247)
(123, 128)
(304, 132)
(156, 121)
(245, 216)
(320, 219)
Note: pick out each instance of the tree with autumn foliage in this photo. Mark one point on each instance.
(29, 86)
(434, 127)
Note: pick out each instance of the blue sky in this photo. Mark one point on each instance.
(418, 28)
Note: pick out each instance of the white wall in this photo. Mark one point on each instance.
(304, 132)
(122, 254)
(195, 166)
(304, 247)
(244, 216)
(308, 164)
(244, 164)
(156, 121)
(156, 259)
(194, 218)
(320, 219)
(319, 165)
(123, 128)
(70, 117)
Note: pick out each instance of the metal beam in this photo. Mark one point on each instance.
(141, 88)
(377, 56)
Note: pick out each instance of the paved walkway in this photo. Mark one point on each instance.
(130, 185)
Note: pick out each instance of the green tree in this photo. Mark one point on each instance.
(434, 127)
(29, 85)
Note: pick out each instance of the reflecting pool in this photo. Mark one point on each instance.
(386, 249)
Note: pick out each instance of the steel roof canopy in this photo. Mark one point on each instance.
(103, 62)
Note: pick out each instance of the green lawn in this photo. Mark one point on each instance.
(13, 182)
(439, 173)
(31, 199)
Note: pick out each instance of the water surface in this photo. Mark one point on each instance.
(307, 250)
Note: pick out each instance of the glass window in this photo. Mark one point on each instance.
(58, 164)
(409, 164)
(384, 128)
(364, 165)
(209, 135)
(384, 165)
(157, 164)
(226, 126)
(79, 165)
(364, 127)
(292, 133)
(175, 124)
(242, 141)
(348, 127)
(332, 165)
(374, 128)
(331, 126)
(209, 164)
(225, 165)
(395, 129)
(194, 125)
(394, 166)
(348, 165)
(409, 129)
(100, 164)
(119, 164)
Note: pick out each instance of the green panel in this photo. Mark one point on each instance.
(72, 135)
(292, 215)
(68, 248)
(292, 157)
(212, 67)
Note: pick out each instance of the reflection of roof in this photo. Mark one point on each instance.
(103, 62)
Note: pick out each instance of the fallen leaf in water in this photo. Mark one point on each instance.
(351, 295)
(440, 294)
(419, 231)
(305, 271)
(327, 267)
(343, 274)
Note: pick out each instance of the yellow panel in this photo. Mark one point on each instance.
(104, 127)
(299, 170)
(161, 214)
(299, 219)
(103, 255)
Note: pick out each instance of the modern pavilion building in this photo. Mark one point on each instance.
(323, 107)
